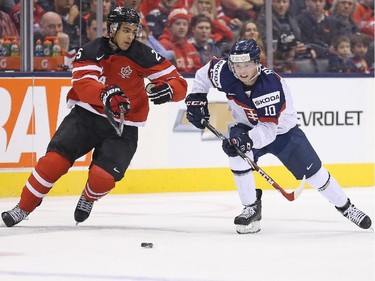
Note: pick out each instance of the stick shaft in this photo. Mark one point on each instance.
(289, 196)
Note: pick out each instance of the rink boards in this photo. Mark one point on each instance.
(337, 115)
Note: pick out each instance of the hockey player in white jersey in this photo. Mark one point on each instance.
(265, 122)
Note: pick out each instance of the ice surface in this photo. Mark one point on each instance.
(194, 240)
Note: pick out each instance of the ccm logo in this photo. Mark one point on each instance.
(196, 103)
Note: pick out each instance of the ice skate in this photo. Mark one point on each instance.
(14, 216)
(249, 220)
(355, 215)
(83, 209)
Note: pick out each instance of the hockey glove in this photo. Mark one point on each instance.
(115, 100)
(241, 142)
(159, 93)
(229, 149)
(197, 109)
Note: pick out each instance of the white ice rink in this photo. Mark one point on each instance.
(194, 240)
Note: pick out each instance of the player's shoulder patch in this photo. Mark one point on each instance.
(215, 71)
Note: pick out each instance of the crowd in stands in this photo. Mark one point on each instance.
(308, 35)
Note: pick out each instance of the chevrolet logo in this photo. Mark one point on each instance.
(220, 118)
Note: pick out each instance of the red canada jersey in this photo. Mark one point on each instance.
(98, 65)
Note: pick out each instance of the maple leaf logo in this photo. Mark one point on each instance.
(125, 72)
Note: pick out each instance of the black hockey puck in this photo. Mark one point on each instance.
(147, 245)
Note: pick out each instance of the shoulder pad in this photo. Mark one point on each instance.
(143, 55)
(95, 50)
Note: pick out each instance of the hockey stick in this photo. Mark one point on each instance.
(290, 196)
(119, 127)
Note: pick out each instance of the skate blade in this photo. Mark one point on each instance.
(252, 228)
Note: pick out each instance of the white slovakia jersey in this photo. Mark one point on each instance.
(266, 106)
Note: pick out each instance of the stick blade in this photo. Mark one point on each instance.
(299, 189)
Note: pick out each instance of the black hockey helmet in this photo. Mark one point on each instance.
(245, 50)
(121, 15)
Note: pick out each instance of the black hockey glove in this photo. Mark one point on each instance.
(242, 142)
(197, 109)
(159, 93)
(115, 100)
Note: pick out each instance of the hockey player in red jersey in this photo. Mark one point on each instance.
(108, 91)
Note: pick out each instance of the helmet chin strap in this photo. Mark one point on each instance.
(114, 43)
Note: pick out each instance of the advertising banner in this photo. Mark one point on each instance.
(337, 115)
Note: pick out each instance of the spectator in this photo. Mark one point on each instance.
(7, 5)
(7, 27)
(157, 19)
(202, 40)
(51, 25)
(92, 28)
(341, 18)
(297, 6)
(135, 4)
(148, 39)
(147, 6)
(370, 56)
(107, 7)
(281, 17)
(207, 8)
(315, 27)
(249, 30)
(285, 28)
(174, 38)
(363, 13)
(285, 53)
(72, 22)
(360, 43)
(364, 17)
(232, 23)
(38, 12)
(242, 9)
(47, 5)
(341, 60)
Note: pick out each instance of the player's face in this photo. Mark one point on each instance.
(125, 35)
(245, 71)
